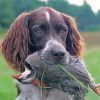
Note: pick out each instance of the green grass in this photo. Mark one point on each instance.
(92, 59)
(7, 85)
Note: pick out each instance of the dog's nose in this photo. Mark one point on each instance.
(58, 53)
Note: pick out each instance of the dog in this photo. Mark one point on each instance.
(39, 30)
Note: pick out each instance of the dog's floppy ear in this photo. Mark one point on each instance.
(15, 43)
(74, 42)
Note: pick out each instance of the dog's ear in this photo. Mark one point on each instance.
(74, 42)
(15, 44)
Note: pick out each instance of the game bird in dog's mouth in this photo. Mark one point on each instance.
(63, 78)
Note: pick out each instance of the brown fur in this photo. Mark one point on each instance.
(15, 46)
(77, 40)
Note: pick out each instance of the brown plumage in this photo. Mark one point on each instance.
(57, 78)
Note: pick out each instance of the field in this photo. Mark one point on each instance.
(92, 59)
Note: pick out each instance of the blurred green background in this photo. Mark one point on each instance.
(88, 24)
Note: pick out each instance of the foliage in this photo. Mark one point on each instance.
(85, 18)
(6, 13)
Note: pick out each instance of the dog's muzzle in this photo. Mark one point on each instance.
(54, 52)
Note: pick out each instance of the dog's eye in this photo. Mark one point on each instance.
(63, 33)
(61, 29)
(37, 29)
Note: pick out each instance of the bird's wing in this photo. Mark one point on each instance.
(78, 69)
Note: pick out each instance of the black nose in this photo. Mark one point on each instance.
(58, 53)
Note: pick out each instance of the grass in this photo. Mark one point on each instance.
(7, 85)
(92, 59)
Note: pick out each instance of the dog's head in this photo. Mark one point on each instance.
(46, 30)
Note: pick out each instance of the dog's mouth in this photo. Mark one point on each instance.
(35, 61)
(48, 59)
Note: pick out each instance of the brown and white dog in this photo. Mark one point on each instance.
(36, 31)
